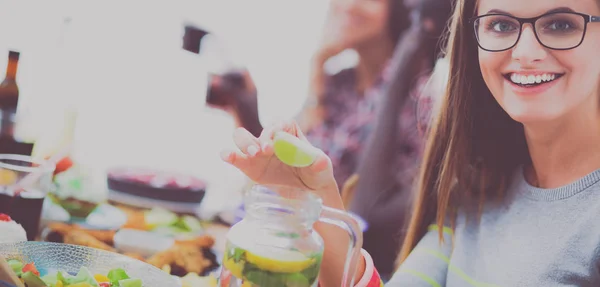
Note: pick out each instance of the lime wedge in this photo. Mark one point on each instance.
(293, 151)
(278, 260)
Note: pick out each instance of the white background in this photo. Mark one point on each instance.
(140, 97)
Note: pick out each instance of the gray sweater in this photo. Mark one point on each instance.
(539, 237)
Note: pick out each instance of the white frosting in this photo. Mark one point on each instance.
(11, 232)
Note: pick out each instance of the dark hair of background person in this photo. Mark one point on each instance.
(398, 20)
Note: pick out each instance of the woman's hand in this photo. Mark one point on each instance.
(257, 160)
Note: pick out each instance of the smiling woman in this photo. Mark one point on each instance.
(511, 174)
(512, 163)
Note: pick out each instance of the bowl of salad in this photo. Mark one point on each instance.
(46, 264)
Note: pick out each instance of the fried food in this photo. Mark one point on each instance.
(106, 236)
(61, 228)
(162, 258)
(136, 220)
(80, 237)
(204, 241)
(188, 257)
(191, 258)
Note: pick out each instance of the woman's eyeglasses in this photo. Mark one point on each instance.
(556, 30)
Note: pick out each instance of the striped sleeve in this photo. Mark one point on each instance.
(427, 264)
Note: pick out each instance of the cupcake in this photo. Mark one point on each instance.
(10, 231)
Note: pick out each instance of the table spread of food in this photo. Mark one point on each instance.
(176, 243)
(30, 275)
(171, 246)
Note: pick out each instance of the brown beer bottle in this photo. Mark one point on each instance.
(9, 99)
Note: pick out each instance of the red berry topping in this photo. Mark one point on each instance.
(5, 217)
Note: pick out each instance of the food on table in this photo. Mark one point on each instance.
(71, 234)
(195, 280)
(154, 184)
(135, 220)
(32, 277)
(142, 242)
(10, 231)
(186, 255)
(293, 151)
(200, 241)
(25, 209)
(73, 192)
(63, 165)
(191, 259)
(165, 222)
(75, 207)
(163, 259)
(261, 265)
(106, 236)
(182, 259)
(80, 237)
(157, 217)
(62, 229)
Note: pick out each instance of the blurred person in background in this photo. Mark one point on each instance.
(366, 118)
(382, 194)
(339, 112)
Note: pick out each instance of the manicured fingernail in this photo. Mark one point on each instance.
(225, 155)
(252, 150)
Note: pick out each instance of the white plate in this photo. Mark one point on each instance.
(104, 217)
(145, 243)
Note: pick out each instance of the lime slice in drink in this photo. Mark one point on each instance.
(278, 260)
(236, 269)
(293, 151)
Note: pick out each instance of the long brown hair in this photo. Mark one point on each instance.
(473, 146)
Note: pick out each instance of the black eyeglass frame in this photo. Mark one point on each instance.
(522, 21)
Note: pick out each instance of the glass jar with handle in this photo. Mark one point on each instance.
(276, 245)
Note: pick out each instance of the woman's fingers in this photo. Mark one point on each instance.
(321, 163)
(246, 142)
(267, 137)
(240, 160)
(268, 134)
(248, 147)
(290, 127)
(298, 131)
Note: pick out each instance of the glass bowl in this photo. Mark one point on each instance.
(50, 257)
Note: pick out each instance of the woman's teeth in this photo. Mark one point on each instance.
(532, 79)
